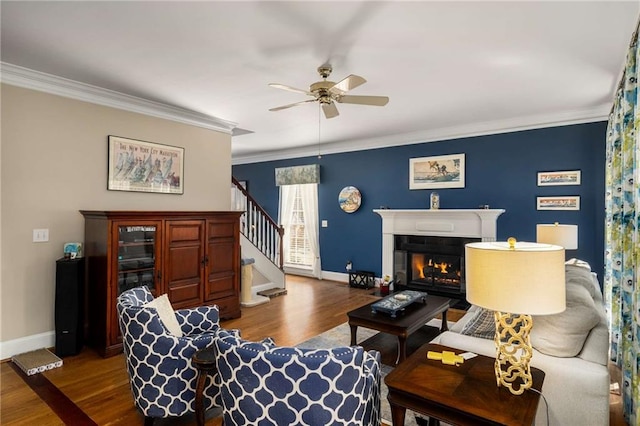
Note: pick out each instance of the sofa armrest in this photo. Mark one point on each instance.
(596, 346)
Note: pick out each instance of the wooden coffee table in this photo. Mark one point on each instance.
(462, 395)
(414, 317)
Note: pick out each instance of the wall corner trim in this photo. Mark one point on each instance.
(29, 79)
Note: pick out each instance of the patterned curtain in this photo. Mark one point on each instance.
(622, 254)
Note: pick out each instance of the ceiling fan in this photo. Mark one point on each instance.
(328, 93)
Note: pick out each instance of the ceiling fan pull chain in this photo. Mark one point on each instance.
(319, 120)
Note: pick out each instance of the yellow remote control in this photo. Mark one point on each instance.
(447, 357)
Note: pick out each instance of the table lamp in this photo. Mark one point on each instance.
(515, 280)
(561, 235)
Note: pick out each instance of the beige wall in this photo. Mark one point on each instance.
(54, 163)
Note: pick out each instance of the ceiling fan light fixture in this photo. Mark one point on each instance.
(327, 93)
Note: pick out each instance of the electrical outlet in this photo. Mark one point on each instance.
(40, 235)
(325, 223)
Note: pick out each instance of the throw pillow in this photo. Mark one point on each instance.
(166, 313)
(482, 325)
(564, 334)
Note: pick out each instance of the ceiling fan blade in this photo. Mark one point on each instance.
(291, 105)
(290, 89)
(330, 110)
(363, 100)
(350, 82)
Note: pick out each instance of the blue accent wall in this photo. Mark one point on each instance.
(501, 171)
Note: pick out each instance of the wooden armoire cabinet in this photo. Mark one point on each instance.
(193, 257)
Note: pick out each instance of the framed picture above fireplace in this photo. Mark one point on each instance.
(438, 172)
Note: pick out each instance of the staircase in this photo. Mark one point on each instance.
(261, 240)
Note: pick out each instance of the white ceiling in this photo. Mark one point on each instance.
(450, 69)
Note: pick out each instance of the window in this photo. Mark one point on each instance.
(299, 253)
(299, 217)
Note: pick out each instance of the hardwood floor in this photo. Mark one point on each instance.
(100, 387)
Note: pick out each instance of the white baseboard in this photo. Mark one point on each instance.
(26, 344)
(262, 287)
(335, 276)
(255, 301)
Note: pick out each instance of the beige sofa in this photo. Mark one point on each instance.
(571, 348)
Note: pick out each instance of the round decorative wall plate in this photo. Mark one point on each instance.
(349, 199)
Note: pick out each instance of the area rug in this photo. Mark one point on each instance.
(36, 361)
(385, 343)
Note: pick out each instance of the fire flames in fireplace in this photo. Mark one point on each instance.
(432, 270)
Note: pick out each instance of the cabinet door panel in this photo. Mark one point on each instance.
(222, 250)
(184, 264)
(220, 277)
(136, 245)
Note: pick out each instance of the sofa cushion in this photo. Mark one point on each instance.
(564, 334)
(482, 324)
(166, 313)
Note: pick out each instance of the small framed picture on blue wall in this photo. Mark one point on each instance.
(569, 202)
(570, 177)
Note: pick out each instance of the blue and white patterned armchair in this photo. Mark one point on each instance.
(263, 384)
(161, 375)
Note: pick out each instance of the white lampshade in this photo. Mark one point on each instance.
(525, 279)
(561, 235)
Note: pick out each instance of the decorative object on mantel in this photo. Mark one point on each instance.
(443, 171)
(349, 199)
(569, 202)
(141, 166)
(570, 177)
(516, 280)
(434, 201)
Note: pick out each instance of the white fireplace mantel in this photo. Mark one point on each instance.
(469, 223)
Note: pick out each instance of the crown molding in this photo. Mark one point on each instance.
(600, 113)
(24, 77)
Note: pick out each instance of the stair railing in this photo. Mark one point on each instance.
(257, 226)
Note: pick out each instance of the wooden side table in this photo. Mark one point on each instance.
(205, 362)
(462, 395)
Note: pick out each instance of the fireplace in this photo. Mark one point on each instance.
(431, 264)
(424, 249)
